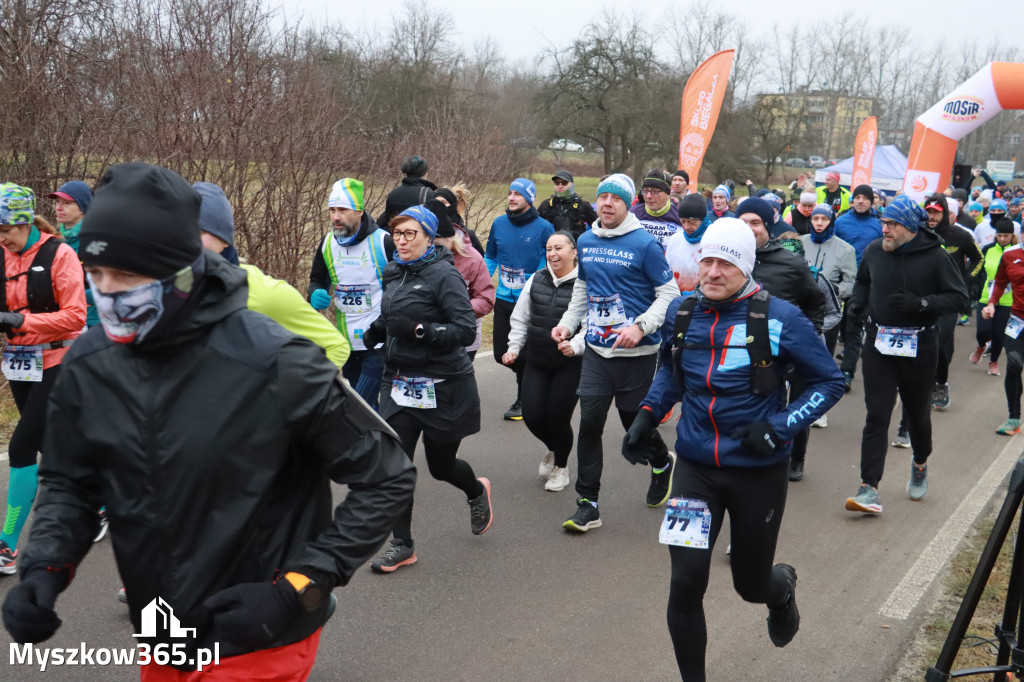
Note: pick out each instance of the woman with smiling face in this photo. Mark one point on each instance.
(39, 332)
(429, 388)
(552, 370)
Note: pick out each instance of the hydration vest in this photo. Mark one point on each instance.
(763, 377)
(39, 286)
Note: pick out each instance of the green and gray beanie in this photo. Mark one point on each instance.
(17, 204)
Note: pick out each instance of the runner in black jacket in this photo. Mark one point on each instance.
(905, 282)
(211, 434)
(785, 275)
(960, 245)
(429, 387)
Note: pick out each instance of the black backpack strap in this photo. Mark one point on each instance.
(3, 274)
(682, 323)
(41, 298)
(763, 377)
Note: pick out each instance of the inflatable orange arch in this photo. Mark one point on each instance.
(997, 87)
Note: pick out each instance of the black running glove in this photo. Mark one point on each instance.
(634, 445)
(28, 609)
(372, 335)
(253, 614)
(757, 438)
(905, 303)
(401, 327)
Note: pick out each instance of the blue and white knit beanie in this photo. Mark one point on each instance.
(723, 189)
(619, 184)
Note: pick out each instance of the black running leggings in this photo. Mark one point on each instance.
(502, 327)
(443, 465)
(549, 399)
(1012, 383)
(993, 330)
(755, 499)
(31, 398)
(947, 333)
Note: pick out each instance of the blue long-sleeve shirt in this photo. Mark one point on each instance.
(516, 251)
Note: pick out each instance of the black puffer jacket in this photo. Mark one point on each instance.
(430, 292)
(214, 454)
(919, 267)
(785, 275)
(412, 192)
(548, 303)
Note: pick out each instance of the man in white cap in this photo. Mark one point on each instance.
(623, 288)
(347, 269)
(726, 369)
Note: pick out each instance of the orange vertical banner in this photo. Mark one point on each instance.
(702, 102)
(864, 152)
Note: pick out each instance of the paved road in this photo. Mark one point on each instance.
(527, 601)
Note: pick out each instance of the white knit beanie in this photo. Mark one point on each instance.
(732, 240)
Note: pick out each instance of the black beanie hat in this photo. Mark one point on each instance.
(758, 207)
(1004, 226)
(693, 206)
(445, 228)
(415, 166)
(864, 191)
(683, 174)
(144, 219)
(658, 179)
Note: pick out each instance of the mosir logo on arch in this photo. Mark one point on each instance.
(963, 108)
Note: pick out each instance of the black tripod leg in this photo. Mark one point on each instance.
(1005, 632)
(1004, 521)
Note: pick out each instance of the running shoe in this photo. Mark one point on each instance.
(1011, 427)
(866, 500)
(976, 354)
(8, 557)
(661, 483)
(963, 321)
(902, 439)
(558, 480)
(840, 355)
(398, 554)
(821, 423)
(847, 382)
(917, 486)
(514, 413)
(940, 397)
(784, 621)
(796, 471)
(103, 524)
(585, 518)
(993, 369)
(546, 464)
(122, 596)
(668, 415)
(480, 515)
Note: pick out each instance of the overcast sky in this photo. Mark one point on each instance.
(524, 28)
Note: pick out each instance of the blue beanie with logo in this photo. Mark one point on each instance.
(525, 188)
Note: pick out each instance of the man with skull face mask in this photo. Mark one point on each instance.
(350, 263)
(212, 434)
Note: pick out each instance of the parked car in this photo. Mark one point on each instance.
(796, 161)
(816, 162)
(564, 145)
